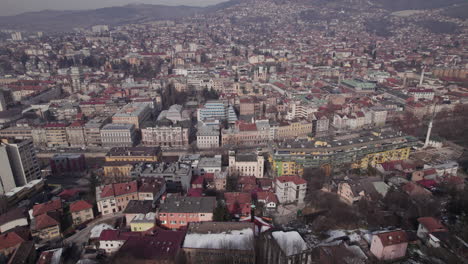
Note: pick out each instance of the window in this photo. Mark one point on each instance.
(163, 222)
(182, 222)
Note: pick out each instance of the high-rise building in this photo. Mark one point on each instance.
(16, 36)
(23, 161)
(7, 181)
(217, 110)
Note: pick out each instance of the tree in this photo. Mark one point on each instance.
(221, 212)
(232, 183)
(24, 58)
(315, 178)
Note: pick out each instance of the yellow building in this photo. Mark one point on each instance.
(134, 154)
(118, 168)
(46, 226)
(381, 157)
(299, 129)
(142, 222)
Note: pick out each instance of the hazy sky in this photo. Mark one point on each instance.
(13, 7)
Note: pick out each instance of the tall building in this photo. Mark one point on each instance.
(133, 113)
(7, 181)
(217, 110)
(16, 36)
(118, 135)
(76, 77)
(23, 161)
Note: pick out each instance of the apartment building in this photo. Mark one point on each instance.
(177, 212)
(114, 198)
(92, 130)
(76, 134)
(217, 110)
(250, 164)
(56, 135)
(118, 135)
(359, 148)
(137, 154)
(208, 137)
(23, 161)
(166, 134)
(290, 189)
(133, 113)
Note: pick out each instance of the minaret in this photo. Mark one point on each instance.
(429, 129)
(428, 136)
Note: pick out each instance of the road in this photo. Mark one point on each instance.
(82, 236)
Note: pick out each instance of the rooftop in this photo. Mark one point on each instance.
(188, 205)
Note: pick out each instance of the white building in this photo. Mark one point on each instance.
(208, 137)
(16, 36)
(246, 164)
(23, 161)
(290, 189)
(7, 181)
(118, 135)
(418, 94)
(210, 164)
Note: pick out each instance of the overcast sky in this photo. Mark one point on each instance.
(13, 7)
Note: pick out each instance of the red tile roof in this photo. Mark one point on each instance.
(247, 180)
(242, 198)
(80, 206)
(107, 191)
(268, 197)
(392, 237)
(293, 178)
(195, 192)
(47, 220)
(13, 238)
(427, 183)
(247, 127)
(68, 193)
(113, 235)
(50, 206)
(163, 245)
(125, 188)
(432, 224)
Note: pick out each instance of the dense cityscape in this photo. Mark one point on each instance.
(252, 131)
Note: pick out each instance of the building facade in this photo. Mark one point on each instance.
(246, 164)
(118, 135)
(290, 189)
(177, 212)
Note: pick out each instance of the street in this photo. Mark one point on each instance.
(82, 236)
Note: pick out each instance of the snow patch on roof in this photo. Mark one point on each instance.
(290, 242)
(233, 239)
(96, 231)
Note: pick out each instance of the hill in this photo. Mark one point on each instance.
(55, 21)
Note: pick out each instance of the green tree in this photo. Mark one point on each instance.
(221, 213)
